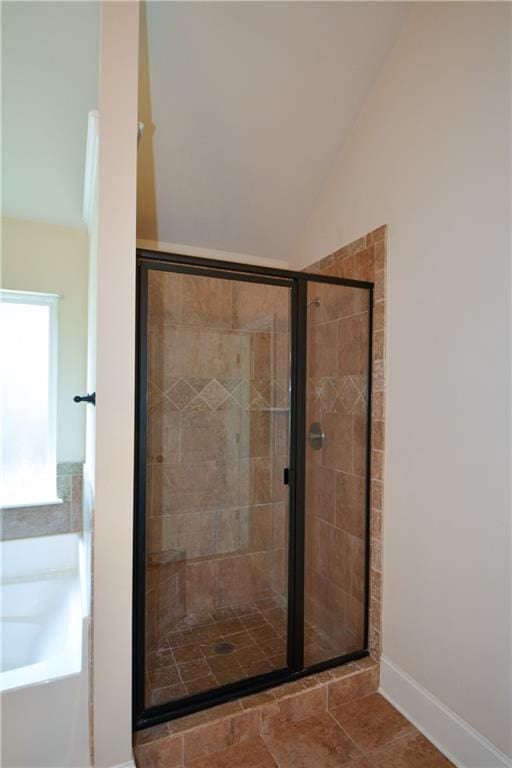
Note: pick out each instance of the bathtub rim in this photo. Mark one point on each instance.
(69, 661)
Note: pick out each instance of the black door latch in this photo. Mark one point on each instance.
(85, 398)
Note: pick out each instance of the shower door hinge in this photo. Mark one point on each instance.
(286, 476)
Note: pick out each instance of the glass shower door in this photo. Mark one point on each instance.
(337, 471)
(216, 350)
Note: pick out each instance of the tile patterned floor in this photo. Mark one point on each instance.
(189, 659)
(366, 733)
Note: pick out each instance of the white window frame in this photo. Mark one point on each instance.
(49, 300)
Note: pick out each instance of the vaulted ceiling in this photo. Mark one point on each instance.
(246, 105)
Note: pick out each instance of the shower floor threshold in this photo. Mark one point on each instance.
(198, 738)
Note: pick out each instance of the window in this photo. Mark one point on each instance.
(28, 398)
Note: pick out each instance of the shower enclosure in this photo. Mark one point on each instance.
(251, 552)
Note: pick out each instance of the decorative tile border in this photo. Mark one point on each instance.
(190, 394)
(176, 743)
(347, 394)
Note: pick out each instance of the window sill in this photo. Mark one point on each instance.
(44, 503)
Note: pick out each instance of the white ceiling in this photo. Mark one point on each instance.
(246, 106)
(49, 83)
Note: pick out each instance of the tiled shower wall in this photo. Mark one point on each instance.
(218, 411)
(49, 519)
(336, 490)
(338, 354)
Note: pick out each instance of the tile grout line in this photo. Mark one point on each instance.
(345, 733)
(365, 752)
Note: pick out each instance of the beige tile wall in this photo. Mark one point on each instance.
(336, 480)
(218, 370)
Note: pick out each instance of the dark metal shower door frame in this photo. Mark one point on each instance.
(297, 282)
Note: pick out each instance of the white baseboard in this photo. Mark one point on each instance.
(461, 744)
(129, 764)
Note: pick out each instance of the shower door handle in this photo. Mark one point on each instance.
(288, 475)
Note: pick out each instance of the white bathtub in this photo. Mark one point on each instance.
(44, 653)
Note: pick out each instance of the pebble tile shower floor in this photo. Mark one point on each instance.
(194, 658)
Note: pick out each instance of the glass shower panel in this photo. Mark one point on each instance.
(216, 508)
(336, 470)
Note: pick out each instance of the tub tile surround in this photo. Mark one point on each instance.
(330, 719)
(338, 398)
(49, 519)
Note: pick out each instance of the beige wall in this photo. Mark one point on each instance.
(53, 259)
(430, 156)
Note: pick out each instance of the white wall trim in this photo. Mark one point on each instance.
(129, 764)
(91, 164)
(113, 519)
(210, 253)
(452, 735)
